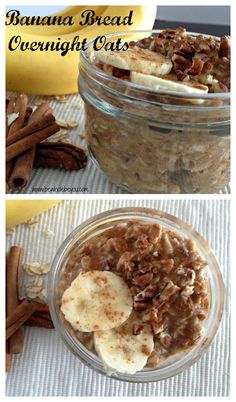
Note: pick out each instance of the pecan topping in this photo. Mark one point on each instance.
(225, 47)
(192, 56)
(141, 306)
(142, 280)
(168, 284)
(137, 329)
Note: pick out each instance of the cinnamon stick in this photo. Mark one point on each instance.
(20, 107)
(41, 316)
(8, 358)
(28, 142)
(15, 105)
(28, 113)
(11, 108)
(31, 127)
(14, 265)
(18, 317)
(22, 170)
(23, 165)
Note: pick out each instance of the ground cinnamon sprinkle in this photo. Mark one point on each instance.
(145, 350)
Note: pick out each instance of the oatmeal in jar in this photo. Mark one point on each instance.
(157, 115)
(135, 294)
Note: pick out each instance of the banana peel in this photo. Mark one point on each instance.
(19, 211)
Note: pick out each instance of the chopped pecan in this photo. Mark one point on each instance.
(181, 75)
(169, 291)
(191, 245)
(134, 290)
(143, 43)
(187, 48)
(165, 339)
(225, 47)
(196, 67)
(142, 305)
(167, 265)
(116, 244)
(141, 242)
(158, 304)
(157, 46)
(154, 233)
(144, 267)
(187, 276)
(137, 329)
(173, 33)
(119, 73)
(181, 59)
(153, 359)
(157, 327)
(167, 248)
(153, 316)
(149, 292)
(187, 291)
(143, 280)
(125, 264)
(86, 263)
(201, 56)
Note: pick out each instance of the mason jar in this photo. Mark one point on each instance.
(154, 142)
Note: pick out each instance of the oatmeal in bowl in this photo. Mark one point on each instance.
(158, 114)
(136, 294)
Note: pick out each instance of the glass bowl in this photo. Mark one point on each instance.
(103, 221)
(154, 142)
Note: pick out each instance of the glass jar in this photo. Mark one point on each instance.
(108, 219)
(155, 142)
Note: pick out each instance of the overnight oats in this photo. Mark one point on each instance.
(136, 295)
(157, 115)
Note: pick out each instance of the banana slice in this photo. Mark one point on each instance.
(157, 83)
(122, 351)
(96, 300)
(136, 59)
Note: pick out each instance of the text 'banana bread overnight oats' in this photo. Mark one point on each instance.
(158, 114)
(135, 295)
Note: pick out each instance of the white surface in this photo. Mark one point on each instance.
(85, 181)
(47, 368)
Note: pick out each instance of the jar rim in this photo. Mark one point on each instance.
(140, 88)
(123, 214)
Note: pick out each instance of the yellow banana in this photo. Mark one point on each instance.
(19, 211)
(75, 12)
(49, 73)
